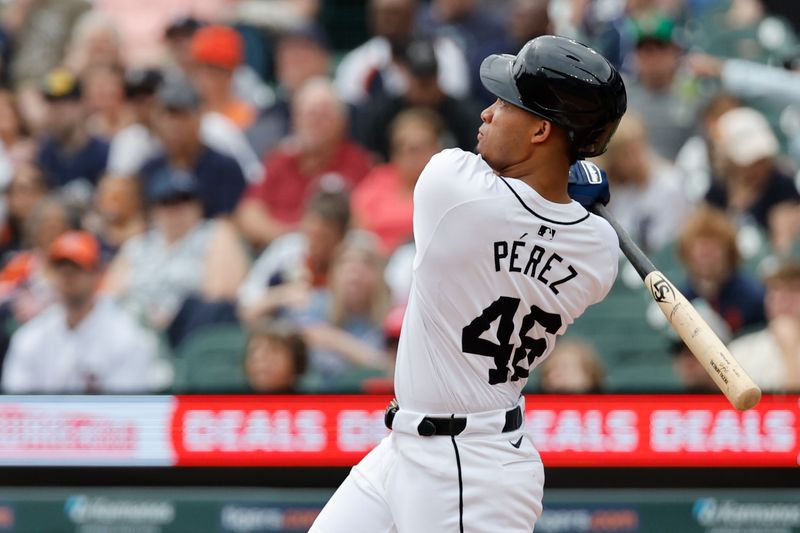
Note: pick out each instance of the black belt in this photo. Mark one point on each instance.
(451, 426)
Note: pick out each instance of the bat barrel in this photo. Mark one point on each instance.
(704, 344)
(712, 354)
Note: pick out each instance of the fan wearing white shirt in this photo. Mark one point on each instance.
(84, 343)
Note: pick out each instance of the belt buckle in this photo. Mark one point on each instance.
(426, 428)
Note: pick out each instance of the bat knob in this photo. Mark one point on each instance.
(747, 398)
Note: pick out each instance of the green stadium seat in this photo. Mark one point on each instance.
(635, 354)
(212, 360)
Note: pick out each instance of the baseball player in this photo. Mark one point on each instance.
(506, 259)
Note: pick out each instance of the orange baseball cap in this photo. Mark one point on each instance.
(79, 247)
(220, 46)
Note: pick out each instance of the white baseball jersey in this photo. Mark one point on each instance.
(499, 273)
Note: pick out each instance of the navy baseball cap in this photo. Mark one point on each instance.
(182, 26)
(178, 93)
(142, 82)
(172, 186)
(420, 56)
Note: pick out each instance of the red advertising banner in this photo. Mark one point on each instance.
(592, 431)
(569, 431)
(276, 430)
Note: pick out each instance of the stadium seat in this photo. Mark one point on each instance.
(212, 360)
(634, 353)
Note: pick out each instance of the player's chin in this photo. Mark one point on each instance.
(484, 152)
(480, 148)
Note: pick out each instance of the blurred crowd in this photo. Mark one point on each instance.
(216, 195)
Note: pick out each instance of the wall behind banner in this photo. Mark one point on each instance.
(259, 510)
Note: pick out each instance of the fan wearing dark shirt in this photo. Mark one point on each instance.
(752, 184)
(417, 61)
(177, 122)
(68, 154)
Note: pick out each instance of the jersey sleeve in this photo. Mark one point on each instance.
(452, 177)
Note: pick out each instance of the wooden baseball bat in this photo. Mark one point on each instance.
(715, 358)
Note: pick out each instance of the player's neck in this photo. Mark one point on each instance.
(548, 178)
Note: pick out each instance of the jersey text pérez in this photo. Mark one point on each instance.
(537, 262)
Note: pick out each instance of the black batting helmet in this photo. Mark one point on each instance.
(564, 82)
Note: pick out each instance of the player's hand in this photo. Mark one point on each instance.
(588, 184)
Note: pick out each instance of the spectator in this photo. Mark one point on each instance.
(369, 70)
(296, 263)
(181, 256)
(771, 356)
(276, 359)
(668, 110)
(16, 146)
(178, 40)
(247, 85)
(95, 41)
(301, 54)
(25, 285)
(26, 190)
(69, 155)
(177, 123)
(217, 51)
(784, 228)
(344, 325)
(526, 20)
(118, 212)
(572, 368)
(418, 63)
(135, 144)
(643, 184)
(752, 184)
(708, 250)
(317, 151)
(698, 159)
(82, 344)
(693, 376)
(104, 100)
(41, 31)
(24, 281)
(477, 30)
(382, 203)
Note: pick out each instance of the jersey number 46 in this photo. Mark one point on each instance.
(530, 348)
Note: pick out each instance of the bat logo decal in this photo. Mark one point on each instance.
(662, 291)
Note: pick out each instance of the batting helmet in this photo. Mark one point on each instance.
(564, 82)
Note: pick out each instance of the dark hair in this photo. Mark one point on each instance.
(286, 335)
(333, 206)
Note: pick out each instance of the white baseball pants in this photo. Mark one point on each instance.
(476, 482)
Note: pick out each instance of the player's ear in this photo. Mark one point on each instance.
(541, 131)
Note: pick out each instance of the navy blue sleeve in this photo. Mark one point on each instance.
(225, 187)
